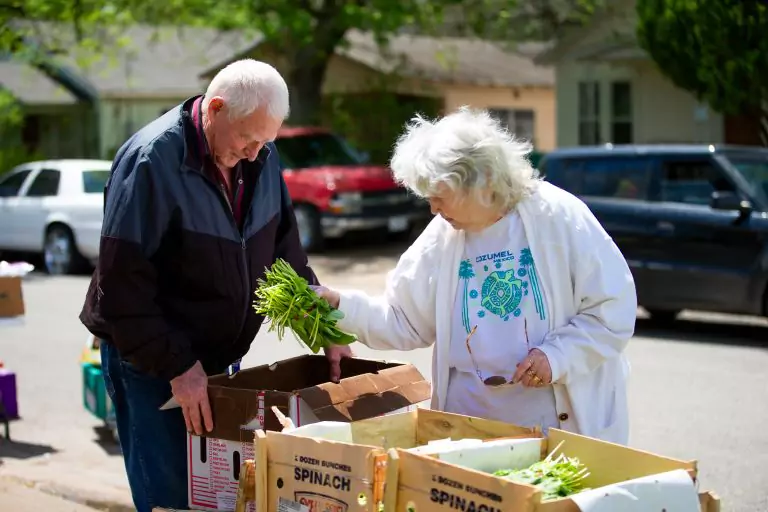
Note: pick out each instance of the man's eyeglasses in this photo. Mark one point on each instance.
(494, 380)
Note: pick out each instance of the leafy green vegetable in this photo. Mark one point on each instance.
(556, 477)
(287, 300)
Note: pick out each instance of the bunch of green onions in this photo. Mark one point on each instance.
(556, 477)
(286, 299)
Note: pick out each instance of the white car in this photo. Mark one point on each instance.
(54, 208)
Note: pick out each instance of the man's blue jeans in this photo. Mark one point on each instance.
(153, 441)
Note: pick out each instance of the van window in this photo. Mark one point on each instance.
(608, 177)
(691, 181)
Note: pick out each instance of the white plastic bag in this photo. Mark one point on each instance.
(19, 269)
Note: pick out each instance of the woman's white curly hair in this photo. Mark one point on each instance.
(468, 151)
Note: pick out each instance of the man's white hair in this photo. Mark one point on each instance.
(468, 151)
(247, 85)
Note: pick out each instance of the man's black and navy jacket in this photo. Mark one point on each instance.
(175, 278)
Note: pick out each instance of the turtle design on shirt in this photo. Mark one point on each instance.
(502, 292)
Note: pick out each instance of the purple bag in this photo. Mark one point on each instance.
(8, 393)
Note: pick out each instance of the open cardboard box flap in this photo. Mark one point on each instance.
(368, 388)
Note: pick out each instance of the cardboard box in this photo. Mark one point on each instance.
(434, 485)
(300, 389)
(340, 468)
(11, 298)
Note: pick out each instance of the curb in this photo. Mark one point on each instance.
(72, 495)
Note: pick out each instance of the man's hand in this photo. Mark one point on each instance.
(335, 353)
(190, 389)
(331, 296)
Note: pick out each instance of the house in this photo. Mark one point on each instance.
(609, 91)
(450, 71)
(87, 107)
(56, 120)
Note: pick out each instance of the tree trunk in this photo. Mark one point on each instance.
(305, 81)
(309, 63)
(746, 128)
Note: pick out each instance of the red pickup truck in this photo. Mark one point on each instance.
(334, 190)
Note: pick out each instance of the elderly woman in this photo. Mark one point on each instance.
(528, 302)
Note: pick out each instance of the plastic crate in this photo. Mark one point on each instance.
(95, 397)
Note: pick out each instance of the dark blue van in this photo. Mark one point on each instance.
(691, 220)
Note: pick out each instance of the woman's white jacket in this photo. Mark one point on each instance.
(588, 288)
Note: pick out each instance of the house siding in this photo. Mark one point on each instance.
(661, 112)
(65, 131)
(121, 118)
(540, 100)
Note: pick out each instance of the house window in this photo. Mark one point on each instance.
(621, 113)
(519, 122)
(589, 113)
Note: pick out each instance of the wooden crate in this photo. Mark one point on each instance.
(430, 480)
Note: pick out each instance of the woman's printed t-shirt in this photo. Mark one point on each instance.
(499, 292)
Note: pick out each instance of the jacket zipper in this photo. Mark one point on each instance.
(243, 256)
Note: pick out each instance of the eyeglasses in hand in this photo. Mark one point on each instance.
(494, 380)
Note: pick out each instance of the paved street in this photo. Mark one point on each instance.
(698, 391)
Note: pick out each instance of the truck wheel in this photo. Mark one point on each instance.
(310, 231)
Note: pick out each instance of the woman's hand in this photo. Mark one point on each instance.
(335, 353)
(534, 371)
(331, 296)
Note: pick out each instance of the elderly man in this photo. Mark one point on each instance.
(195, 209)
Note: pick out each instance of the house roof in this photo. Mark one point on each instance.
(612, 51)
(455, 60)
(153, 62)
(164, 63)
(31, 86)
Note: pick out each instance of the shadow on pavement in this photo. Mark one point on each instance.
(719, 333)
(22, 450)
(106, 440)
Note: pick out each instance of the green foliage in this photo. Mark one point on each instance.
(11, 156)
(27, 31)
(11, 113)
(515, 21)
(372, 121)
(715, 49)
